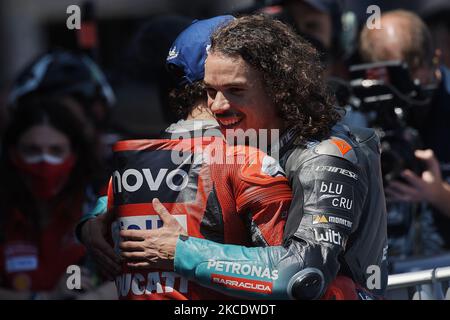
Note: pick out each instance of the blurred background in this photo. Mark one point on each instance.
(31, 27)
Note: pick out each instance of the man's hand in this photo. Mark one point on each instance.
(152, 248)
(428, 188)
(93, 236)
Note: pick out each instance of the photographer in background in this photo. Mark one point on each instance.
(404, 36)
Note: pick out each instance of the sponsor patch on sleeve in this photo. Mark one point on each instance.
(330, 236)
(331, 219)
(338, 170)
(243, 284)
(334, 195)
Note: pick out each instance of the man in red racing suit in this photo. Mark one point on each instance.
(240, 196)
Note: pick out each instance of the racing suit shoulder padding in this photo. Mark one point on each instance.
(337, 147)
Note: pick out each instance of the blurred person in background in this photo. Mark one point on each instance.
(404, 36)
(325, 24)
(436, 14)
(147, 54)
(78, 80)
(47, 165)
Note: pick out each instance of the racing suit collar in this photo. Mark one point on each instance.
(289, 135)
(279, 148)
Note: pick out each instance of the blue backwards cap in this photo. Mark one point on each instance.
(187, 55)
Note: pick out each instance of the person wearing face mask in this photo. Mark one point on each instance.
(75, 78)
(46, 173)
(46, 166)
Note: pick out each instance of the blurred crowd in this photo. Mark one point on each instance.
(59, 119)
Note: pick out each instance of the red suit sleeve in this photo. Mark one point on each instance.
(263, 192)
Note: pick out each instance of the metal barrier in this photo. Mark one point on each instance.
(420, 285)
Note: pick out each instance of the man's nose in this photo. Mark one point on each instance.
(220, 103)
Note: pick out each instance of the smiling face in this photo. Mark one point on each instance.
(236, 95)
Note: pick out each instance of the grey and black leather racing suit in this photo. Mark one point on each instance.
(336, 226)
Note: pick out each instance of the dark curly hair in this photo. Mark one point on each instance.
(290, 69)
(183, 99)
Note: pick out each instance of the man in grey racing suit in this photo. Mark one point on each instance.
(336, 225)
